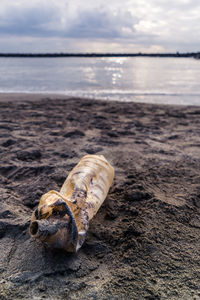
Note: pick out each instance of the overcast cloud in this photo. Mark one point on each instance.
(100, 26)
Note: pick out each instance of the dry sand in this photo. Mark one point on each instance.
(144, 241)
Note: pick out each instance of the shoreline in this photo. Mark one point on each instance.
(29, 96)
(38, 96)
(195, 55)
(143, 243)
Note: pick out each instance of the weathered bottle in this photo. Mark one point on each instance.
(62, 218)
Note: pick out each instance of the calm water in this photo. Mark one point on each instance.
(152, 80)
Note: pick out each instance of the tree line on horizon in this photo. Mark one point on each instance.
(177, 54)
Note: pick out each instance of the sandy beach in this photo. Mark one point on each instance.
(144, 241)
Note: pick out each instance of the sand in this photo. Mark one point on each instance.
(144, 241)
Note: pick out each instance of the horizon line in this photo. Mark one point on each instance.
(99, 54)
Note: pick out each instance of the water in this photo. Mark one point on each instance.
(139, 79)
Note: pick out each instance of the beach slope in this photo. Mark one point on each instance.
(144, 241)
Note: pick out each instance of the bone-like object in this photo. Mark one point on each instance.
(62, 218)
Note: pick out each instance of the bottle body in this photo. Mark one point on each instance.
(69, 211)
(88, 183)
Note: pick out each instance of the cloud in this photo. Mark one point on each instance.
(131, 24)
(50, 20)
(101, 24)
(28, 20)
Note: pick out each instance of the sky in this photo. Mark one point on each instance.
(99, 26)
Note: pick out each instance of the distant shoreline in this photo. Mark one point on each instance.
(177, 54)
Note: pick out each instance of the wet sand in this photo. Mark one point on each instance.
(144, 241)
